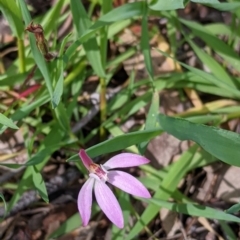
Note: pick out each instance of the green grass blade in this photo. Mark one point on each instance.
(7, 122)
(119, 143)
(39, 184)
(5, 204)
(39, 60)
(194, 210)
(12, 13)
(162, 5)
(82, 23)
(167, 188)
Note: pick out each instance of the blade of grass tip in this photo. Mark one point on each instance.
(7, 122)
(41, 63)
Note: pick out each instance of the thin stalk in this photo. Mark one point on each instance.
(21, 55)
(103, 107)
(106, 7)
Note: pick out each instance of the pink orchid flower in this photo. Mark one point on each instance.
(99, 175)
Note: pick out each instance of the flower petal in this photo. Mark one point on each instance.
(85, 201)
(128, 183)
(108, 203)
(125, 160)
(87, 161)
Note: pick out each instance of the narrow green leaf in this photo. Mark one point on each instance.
(145, 47)
(225, 6)
(212, 64)
(123, 12)
(12, 13)
(82, 23)
(5, 204)
(224, 50)
(7, 122)
(194, 210)
(62, 117)
(152, 116)
(119, 143)
(211, 78)
(39, 184)
(166, 190)
(72, 223)
(41, 63)
(234, 209)
(214, 140)
(58, 91)
(205, 1)
(163, 5)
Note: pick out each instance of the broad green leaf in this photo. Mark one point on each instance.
(163, 5)
(39, 184)
(225, 6)
(194, 210)
(7, 122)
(214, 140)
